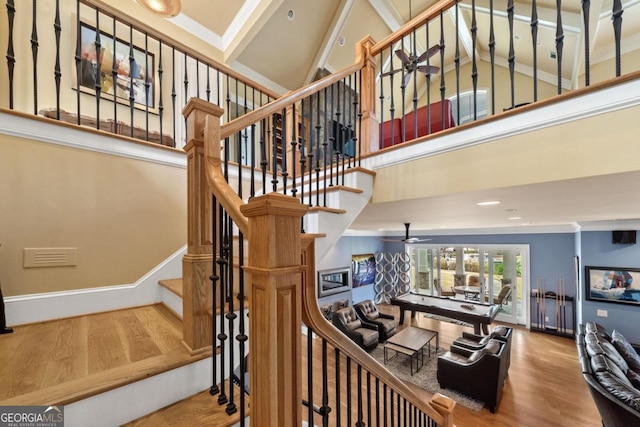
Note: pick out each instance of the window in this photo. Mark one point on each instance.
(464, 104)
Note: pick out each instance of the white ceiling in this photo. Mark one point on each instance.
(258, 38)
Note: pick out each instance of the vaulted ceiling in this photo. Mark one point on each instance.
(283, 43)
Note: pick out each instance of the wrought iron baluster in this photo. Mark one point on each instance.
(428, 77)
(215, 278)
(325, 409)
(294, 144)
(349, 390)
(160, 100)
(317, 149)
(147, 86)
(242, 336)
(559, 43)
(456, 61)
(310, 377)
(223, 266)
(173, 91)
(443, 87)
(252, 191)
(381, 98)
(343, 127)
(114, 80)
(197, 78)
(534, 41)
(403, 85)
(186, 79)
(34, 54)
(131, 72)
(11, 59)
(385, 405)
(512, 55)
(392, 107)
(97, 74)
(332, 137)
(586, 6)
(208, 90)
(415, 82)
(616, 16)
(325, 144)
(360, 420)
(492, 55)
(303, 158)
(357, 142)
(56, 71)
(78, 61)
(377, 393)
(338, 401)
(474, 66)
(231, 315)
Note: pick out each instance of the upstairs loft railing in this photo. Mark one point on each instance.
(84, 63)
(472, 59)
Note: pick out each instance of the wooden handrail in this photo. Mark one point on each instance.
(439, 409)
(267, 110)
(407, 28)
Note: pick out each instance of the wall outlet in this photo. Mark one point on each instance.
(602, 313)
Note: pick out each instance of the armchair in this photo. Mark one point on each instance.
(364, 334)
(386, 323)
(475, 342)
(479, 374)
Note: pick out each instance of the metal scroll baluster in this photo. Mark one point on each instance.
(34, 54)
(216, 242)
(303, 158)
(11, 59)
(173, 90)
(392, 107)
(616, 16)
(403, 86)
(325, 136)
(185, 81)
(415, 82)
(559, 43)
(474, 66)
(492, 55)
(428, 77)
(97, 74)
(160, 100)
(360, 421)
(512, 55)
(114, 81)
(317, 148)
(332, 136)
(457, 60)
(132, 65)
(443, 87)
(381, 98)
(223, 265)
(231, 315)
(147, 87)
(294, 144)
(343, 127)
(586, 6)
(78, 61)
(534, 41)
(277, 122)
(208, 90)
(57, 73)
(357, 142)
(283, 148)
(352, 118)
(310, 378)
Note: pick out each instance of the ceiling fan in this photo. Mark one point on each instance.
(411, 63)
(406, 239)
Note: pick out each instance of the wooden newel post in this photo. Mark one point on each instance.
(370, 126)
(275, 298)
(197, 263)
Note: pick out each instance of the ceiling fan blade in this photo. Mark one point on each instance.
(407, 77)
(428, 69)
(390, 73)
(429, 52)
(403, 56)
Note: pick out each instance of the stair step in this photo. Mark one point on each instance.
(198, 410)
(325, 209)
(174, 285)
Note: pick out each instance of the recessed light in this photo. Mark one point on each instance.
(515, 217)
(342, 41)
(511, 210)
(489, 203)
(291, 14)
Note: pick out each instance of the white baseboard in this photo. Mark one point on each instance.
(34, 308)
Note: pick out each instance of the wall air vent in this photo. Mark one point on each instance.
(49, 257)
(552, 55)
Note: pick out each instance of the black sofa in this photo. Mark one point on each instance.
(609, 367)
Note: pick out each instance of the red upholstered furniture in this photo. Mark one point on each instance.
(429, 119)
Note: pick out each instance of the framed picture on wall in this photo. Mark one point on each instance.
(613, 284)
(363, 269)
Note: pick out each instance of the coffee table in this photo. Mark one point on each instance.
(411, 341)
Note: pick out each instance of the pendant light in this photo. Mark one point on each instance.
(165, 8)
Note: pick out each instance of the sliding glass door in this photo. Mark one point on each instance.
(490, 273)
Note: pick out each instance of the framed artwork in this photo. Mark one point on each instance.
(613, 284)
(135, 68)
(363, 269)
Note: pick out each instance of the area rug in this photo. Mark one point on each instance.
(426, 378)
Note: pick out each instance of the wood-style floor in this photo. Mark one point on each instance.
(61, 361)
(50, 362)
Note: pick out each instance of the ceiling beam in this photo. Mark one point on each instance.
(330, 39)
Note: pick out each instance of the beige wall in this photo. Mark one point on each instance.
(124, 216)
(570, 150)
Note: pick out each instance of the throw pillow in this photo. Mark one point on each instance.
(627, 351)
(634, 378)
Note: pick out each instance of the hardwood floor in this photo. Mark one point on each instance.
(544, 387)
(63, 360)
(57, 361)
